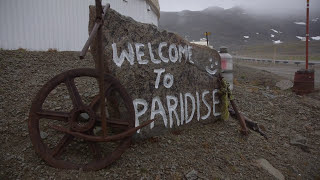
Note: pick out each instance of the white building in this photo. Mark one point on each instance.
(60, 24)
(203, 42)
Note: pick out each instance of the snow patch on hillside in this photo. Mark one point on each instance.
(301, 38)
(274, 30)
(272, 35)
(317, 38)
(277, 42)
(247, 37)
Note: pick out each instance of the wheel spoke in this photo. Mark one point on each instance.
(60, 116)
(96, 100)
(63, 143)
(116, 123)
(74, 93)
(95, 148)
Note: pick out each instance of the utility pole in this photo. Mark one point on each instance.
(207, 34)
(304, 78)
(274, 53)
(307, 37)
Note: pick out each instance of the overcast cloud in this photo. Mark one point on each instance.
(264, 6)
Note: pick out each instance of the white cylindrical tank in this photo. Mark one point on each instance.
(226, 66)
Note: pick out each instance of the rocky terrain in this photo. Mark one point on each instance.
(201, 150)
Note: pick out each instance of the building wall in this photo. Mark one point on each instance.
(137, 9)
(57, 24)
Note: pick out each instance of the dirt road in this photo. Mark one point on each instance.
(283, 70)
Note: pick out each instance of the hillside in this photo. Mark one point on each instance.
(237, 27)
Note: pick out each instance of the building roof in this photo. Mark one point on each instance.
(155, 6)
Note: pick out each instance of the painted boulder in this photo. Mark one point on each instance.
(168, 78)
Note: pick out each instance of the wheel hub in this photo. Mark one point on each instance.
(82, 119)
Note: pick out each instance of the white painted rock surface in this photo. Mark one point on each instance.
(168, 78)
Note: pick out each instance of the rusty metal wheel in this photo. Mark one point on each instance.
(82, 118)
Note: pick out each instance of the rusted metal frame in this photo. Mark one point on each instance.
(90, 39)
(99, 13)
(63, 143)
(154, 8)
(74, 93)
(244, 129)
(254, 126)
(94, 147)
(114, 123)
(51, 156)
(94, 32)
(55, 115)
(117, 137)
(250, 124)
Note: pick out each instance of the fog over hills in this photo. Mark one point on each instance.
(236, 26)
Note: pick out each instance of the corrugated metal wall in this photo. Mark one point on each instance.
(137, 9)
(57, 24)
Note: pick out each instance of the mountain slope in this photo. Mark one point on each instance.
(235, 27)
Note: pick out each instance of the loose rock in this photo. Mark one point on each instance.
(267, 166)
(284, 84)
(300, 141)
(192, 175)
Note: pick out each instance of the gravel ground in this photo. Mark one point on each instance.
(201, 150)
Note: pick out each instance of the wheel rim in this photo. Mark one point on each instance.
(37, 114)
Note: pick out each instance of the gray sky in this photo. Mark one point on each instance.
(257, 5)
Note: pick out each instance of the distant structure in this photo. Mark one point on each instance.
(60, 24)
(203, 41)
